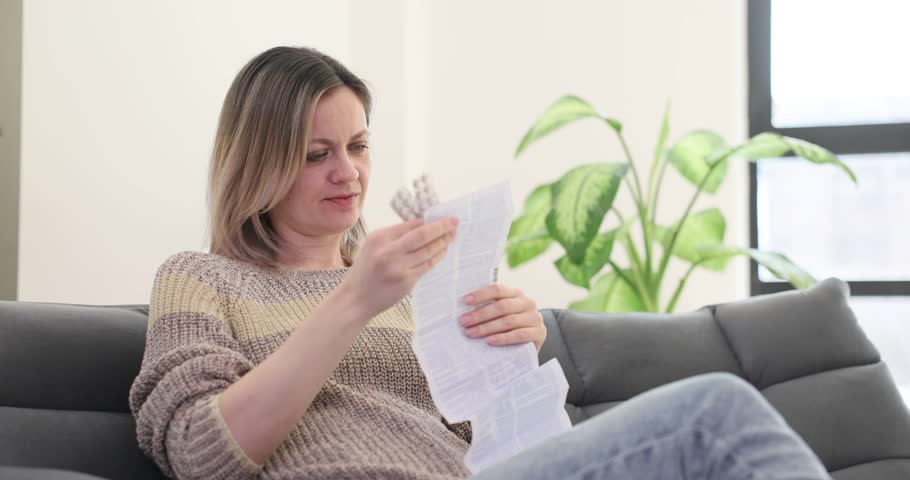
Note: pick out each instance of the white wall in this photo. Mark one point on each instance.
(120, 104)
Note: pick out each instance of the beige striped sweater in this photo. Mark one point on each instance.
(212, 319)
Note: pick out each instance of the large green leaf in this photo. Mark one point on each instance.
(690, 156)
(581, 198)
(705, 227)
(777, 263)
(610, 294)
(596, 256)
(771, 145)
(528, 236)
(760, 146)
(563, 111)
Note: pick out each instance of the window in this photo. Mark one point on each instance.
(839, 63)
(832, 73)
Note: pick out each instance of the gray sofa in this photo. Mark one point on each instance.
(65, 371)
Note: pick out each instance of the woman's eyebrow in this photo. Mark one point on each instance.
(329, 142)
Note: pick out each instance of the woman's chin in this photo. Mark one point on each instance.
(341, 225)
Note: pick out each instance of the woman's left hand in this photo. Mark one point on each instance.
(511, 318)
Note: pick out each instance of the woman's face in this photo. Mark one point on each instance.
(337, 163)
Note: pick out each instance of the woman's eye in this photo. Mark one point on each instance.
(316, 156)
(360, 148)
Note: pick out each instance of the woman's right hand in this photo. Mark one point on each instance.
(393, 259)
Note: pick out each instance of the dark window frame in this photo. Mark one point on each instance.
(842, 140)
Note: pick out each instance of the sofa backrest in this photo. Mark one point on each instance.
(802, 349)
(66, 371)
(65, 375)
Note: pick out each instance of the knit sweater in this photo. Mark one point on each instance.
(213, 319)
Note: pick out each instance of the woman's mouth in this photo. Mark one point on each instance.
(344, 201)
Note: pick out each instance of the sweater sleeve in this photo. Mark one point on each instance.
(462, 429)
(191, 356)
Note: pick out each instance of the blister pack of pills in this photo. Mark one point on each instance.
(410, 204)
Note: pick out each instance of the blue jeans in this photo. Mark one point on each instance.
(713, 426)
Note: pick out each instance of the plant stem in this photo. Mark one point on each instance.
(679, 288)
(634, 256)
(635, 286)
(658, 157)
(645, 268)
(643, 289)
(653, 199)
(666, 256)
(654, 165)
(625, 148)
(623, 275)
(651, 176)
(638, 272)
(622, 220)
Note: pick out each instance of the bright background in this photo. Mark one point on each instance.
(120, 102)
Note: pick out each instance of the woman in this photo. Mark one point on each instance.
(285, 351)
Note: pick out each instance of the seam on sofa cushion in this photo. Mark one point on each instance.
(557, 316)
(726, 337)
(867, 462)
(820, 372)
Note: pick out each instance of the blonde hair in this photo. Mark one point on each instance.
(260, 145)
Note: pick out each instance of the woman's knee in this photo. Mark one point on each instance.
(725, 394)
(724, 383)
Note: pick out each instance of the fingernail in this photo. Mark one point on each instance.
(469, 299)
(453, 221)
(465, 319)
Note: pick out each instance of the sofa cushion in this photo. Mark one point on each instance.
(32, 473)
(70, 357)
(777, 338)
(849, 415)
(610, 358)
(100, 443)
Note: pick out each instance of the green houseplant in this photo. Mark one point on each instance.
(571, 210)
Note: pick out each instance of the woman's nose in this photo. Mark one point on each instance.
(345, 170)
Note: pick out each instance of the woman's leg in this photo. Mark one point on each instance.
(713, 426)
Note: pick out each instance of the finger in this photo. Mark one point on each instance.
(512, 337)
(437, 247)
(490, 292)
(542, 336)
(499, 308)
(419, 237)
(504, 323)
(431, 262)
(399, 229)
